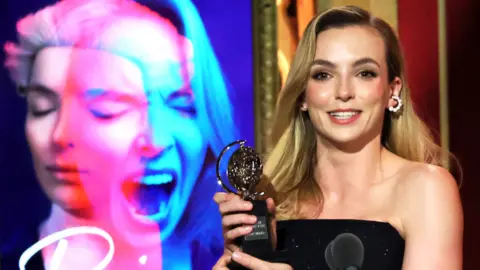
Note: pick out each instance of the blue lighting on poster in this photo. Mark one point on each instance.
(127, 106)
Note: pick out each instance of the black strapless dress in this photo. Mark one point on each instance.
(306, 241)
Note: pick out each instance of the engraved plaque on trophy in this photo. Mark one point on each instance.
(243, 173)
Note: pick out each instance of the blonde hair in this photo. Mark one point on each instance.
(289, 166)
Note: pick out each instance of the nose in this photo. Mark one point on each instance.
(61, 135)
(344, 90)
(154, 144)
(157, 138)
(150, 150)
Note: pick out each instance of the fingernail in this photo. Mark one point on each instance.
(246, 228)
(236, 255)
(252, 219)
(247, 205)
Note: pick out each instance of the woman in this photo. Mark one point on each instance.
(126, 104)
(352, 157)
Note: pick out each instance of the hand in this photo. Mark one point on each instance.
(235, 224)
(249, 262)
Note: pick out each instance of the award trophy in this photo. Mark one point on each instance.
(244, 172)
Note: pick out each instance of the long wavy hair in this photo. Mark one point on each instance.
(91, 24)
(290, 164)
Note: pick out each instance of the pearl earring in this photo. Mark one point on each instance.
(398, 106)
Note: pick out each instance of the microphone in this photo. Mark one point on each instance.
(345, 252)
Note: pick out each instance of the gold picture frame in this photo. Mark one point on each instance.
(266, 75)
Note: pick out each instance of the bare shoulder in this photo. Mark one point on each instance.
(419, 177)
(424, 184)
(421, 187)
(431, 214)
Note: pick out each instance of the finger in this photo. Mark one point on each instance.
(237, 232)
(232, 247)
(238, 219)
(271, 206)
(234, 205)
(220, 197)
(249, 261)
(222, 263)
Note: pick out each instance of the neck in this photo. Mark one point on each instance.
(340, 173)
(59, 220)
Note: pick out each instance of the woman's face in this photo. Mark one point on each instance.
(106, 149)
(348, 89)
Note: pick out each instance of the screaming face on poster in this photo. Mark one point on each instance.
(126, 104)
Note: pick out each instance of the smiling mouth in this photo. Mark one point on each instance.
(343, 115)
(149, 195)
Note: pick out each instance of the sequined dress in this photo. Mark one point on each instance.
(306, 241)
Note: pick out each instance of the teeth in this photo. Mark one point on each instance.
(158, 179)
(343, 115)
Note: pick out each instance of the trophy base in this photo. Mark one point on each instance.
(259, 242)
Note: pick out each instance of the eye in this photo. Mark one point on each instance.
(40, 105)
(111, 103)
(367, 74)
(107, 109)
(321, 76)
(183, 102)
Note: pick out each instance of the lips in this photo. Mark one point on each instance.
(344, 116)
(65, 174)
(149, 194)
(66, 168)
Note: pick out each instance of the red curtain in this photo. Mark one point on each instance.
(418, 30)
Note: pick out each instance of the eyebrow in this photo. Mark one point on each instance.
(114, 95)
(359, 62)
